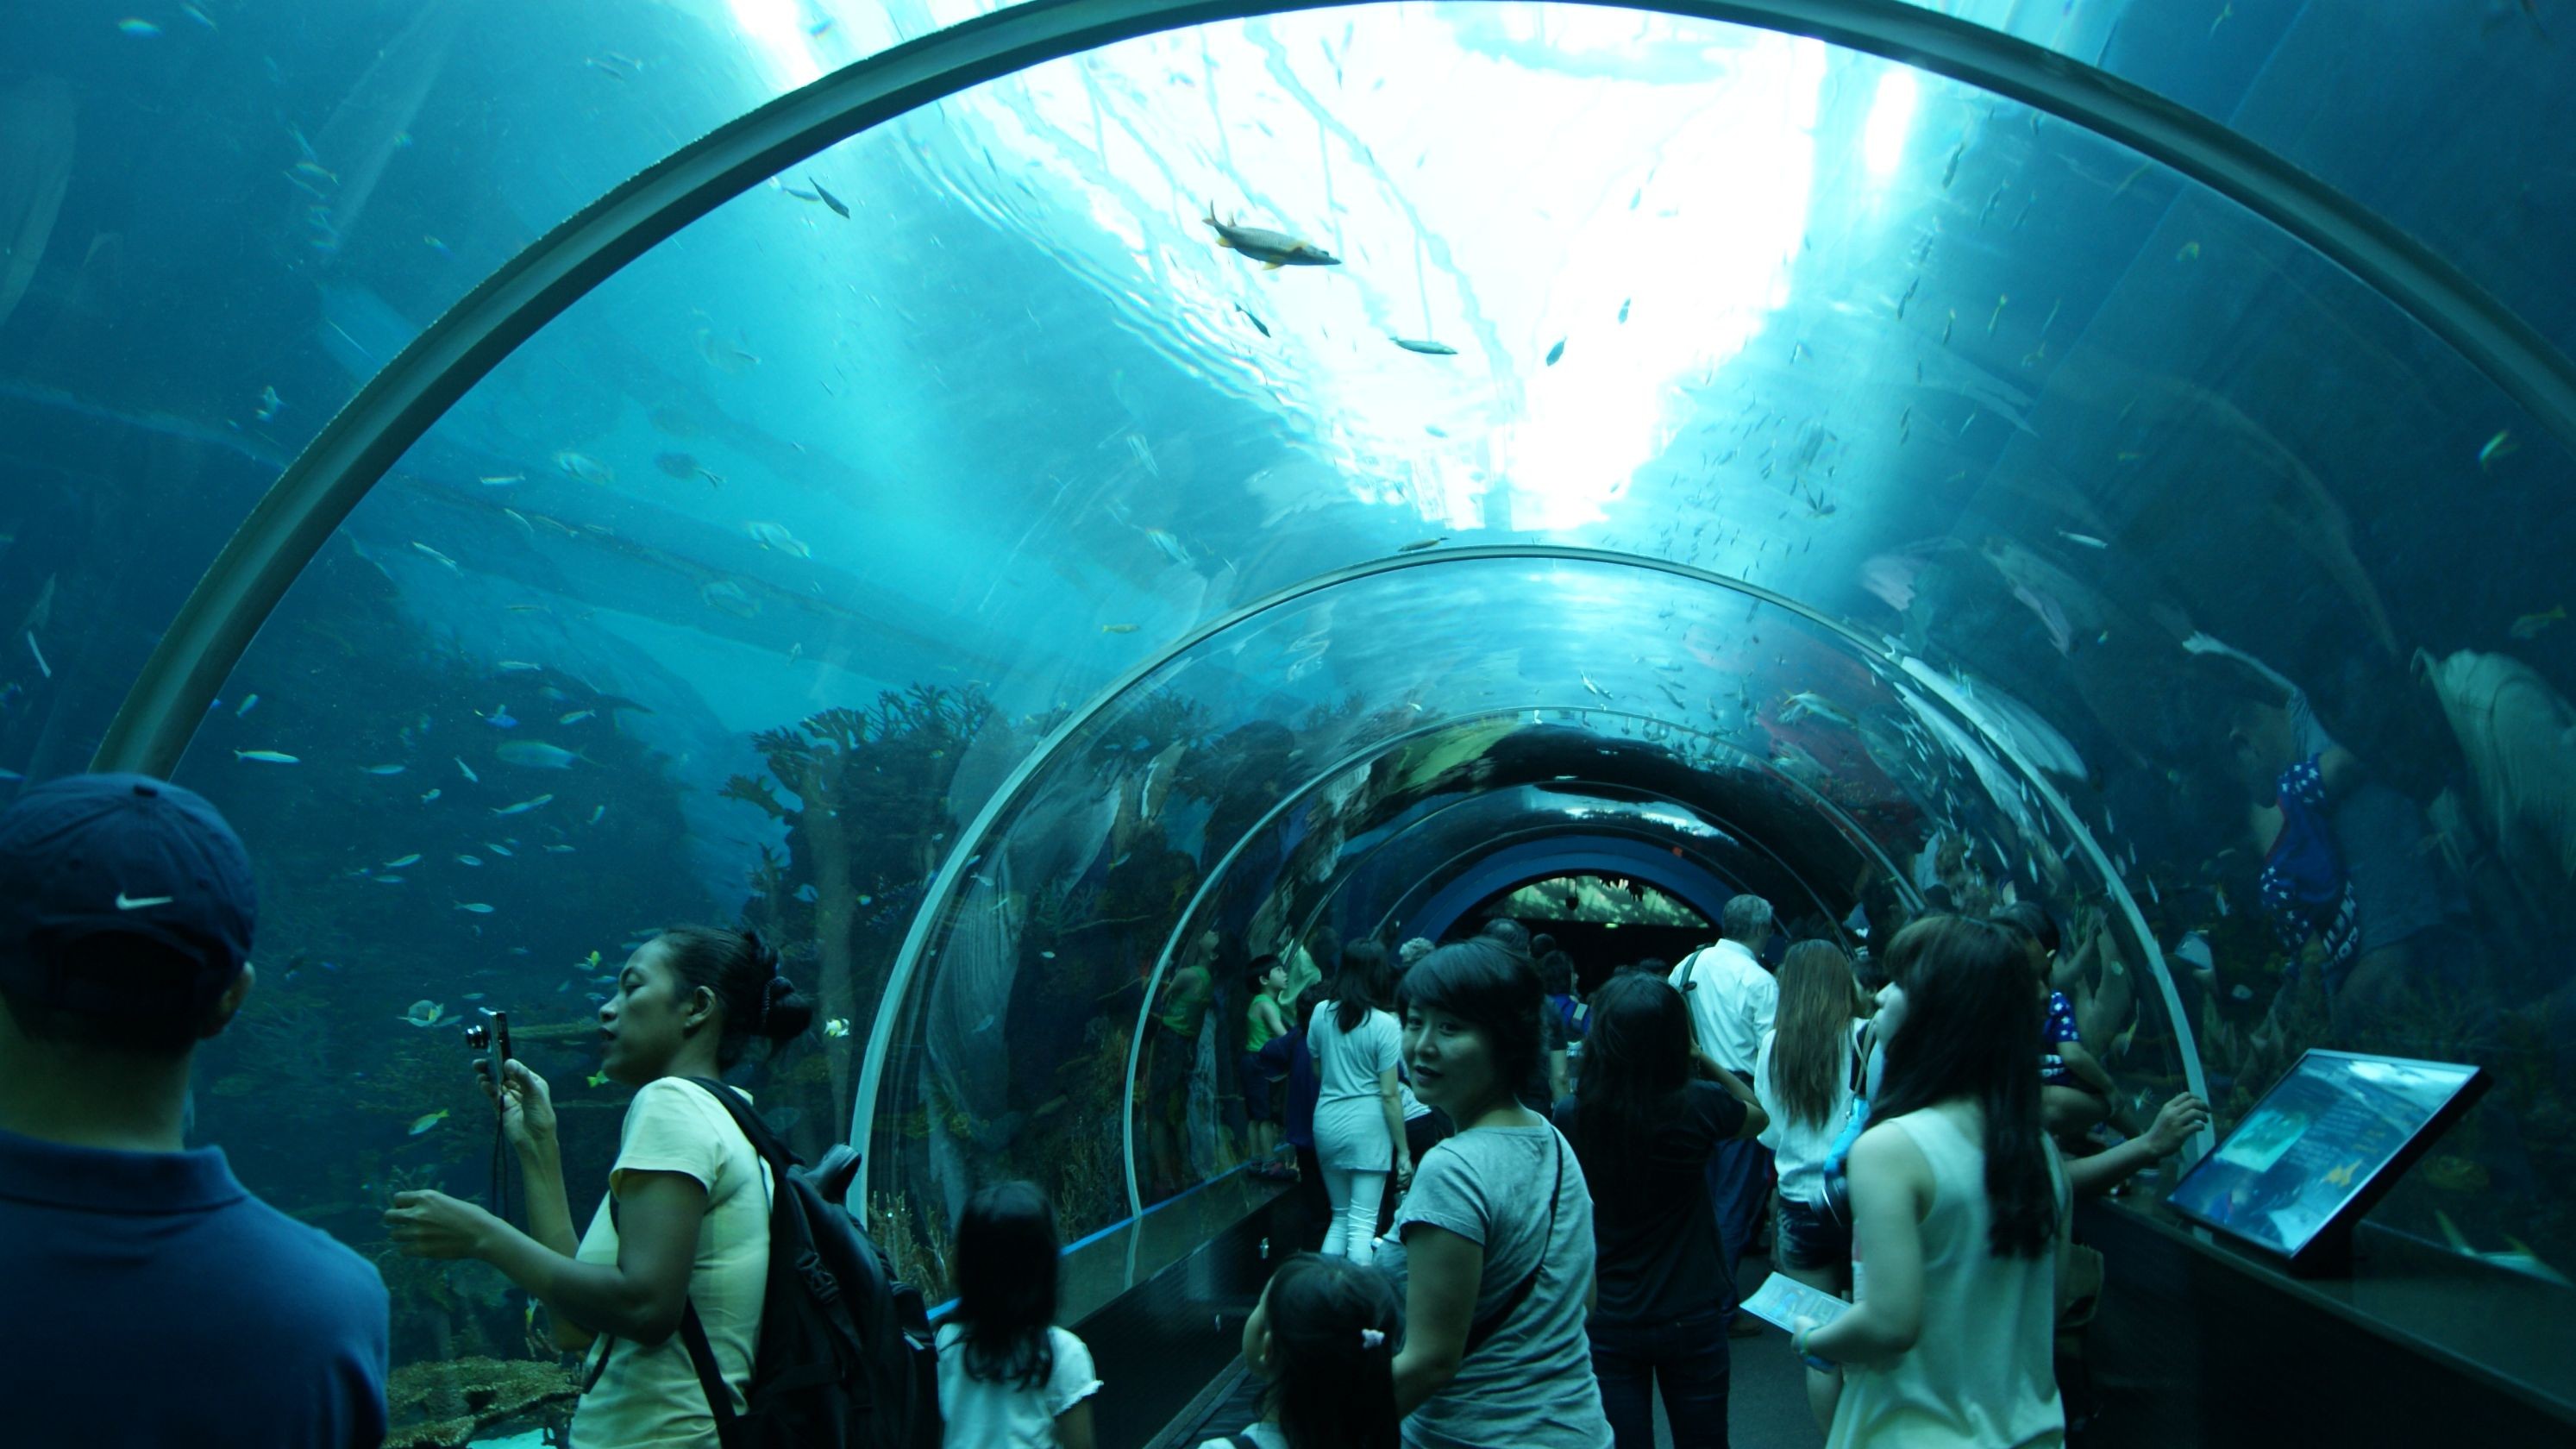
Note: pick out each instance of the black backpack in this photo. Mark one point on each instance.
(846, 1356)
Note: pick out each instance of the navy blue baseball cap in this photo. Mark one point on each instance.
(121, 895)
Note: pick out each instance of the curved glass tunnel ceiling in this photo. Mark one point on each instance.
(752, 581)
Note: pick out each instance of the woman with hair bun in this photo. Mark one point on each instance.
(686, 1220)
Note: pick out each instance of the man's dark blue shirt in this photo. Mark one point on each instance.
(154, 1301)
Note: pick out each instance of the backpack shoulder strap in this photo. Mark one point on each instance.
(703, 1355)
(1690, 968)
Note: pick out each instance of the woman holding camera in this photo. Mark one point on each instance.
(685, 1227)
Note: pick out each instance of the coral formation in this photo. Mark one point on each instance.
(444, 1403)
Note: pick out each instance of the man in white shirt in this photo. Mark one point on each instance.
(1733, 1000)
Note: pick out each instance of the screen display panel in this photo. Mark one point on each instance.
(2316, 1143)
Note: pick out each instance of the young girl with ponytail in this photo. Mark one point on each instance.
(685, 1225)
(1325, 1336)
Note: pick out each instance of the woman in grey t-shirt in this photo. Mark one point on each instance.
(1497, 1231)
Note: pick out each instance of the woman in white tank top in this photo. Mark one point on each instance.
(1959, 1218)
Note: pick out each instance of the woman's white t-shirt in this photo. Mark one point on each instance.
(650, 1398)
(981, 1415)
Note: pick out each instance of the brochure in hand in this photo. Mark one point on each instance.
(1783, 1300)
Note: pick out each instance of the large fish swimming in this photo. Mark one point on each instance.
(1273, 249)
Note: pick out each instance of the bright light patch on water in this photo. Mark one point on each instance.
(1891, 116)
(776, 30)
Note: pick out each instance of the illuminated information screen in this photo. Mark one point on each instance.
(2312, 1154)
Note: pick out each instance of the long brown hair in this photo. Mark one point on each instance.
(1811, 1048)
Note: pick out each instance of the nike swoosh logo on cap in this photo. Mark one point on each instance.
(125, 902)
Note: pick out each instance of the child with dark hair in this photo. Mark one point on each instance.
(2076, 1091)
(1008, 1377)
(1325, 1336)
(1288, 1057)
(1264, 1020)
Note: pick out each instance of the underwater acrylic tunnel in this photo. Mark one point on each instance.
(1958, 456)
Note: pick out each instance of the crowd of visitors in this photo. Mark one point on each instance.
(1536, 1203)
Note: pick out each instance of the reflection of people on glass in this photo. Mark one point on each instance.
(1179, 1014)
(2343, 882)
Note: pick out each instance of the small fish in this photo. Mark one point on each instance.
(470, 777)
(1046, 955)
(839, 208)
(576, 717)
(597, 1079)
(143, 28)
(559, 850)
(381, 769)
(2499, 446)
(411, 859)
(2530, 625)
(836, 1027)
(2190, 252)
(474, 908)
(1273, 249)
(247, 705)
(771, 535)
(523, 807)
(1257, 324)
(583, 468)
(432, 795)
(266, 757)
(197, 15)
(388, 880)
(1170, 544)
(476, 995)
(499, 849)
(1555, 352)
(469, 860)
(1118, 628)
(597, 811)
(2086, 539)
(501, 718)
(1623, 311)
(1419, 544)
(535, 755)
(434, 553)
(42, 667)
(501, 480)
(423, 1012)
(1426, 347)
(427, 1120)
(515, 666)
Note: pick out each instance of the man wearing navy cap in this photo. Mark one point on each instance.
(152, 1299)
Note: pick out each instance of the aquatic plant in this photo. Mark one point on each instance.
(868, 823)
